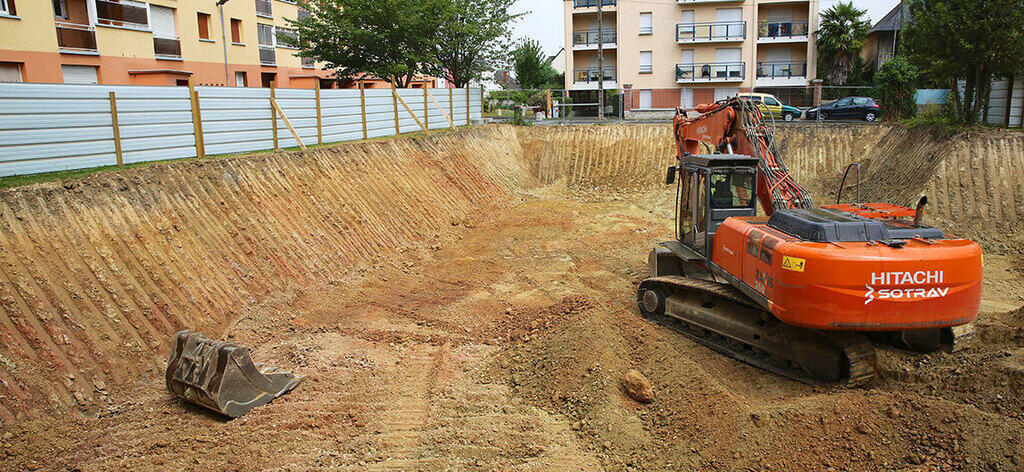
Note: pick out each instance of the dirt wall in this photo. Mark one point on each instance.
(96, 274)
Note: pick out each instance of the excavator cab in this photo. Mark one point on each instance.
(711, 188)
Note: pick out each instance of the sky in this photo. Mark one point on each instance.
(544, 21)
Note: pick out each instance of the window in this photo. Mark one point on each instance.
(204, 25)
(732, 190)
(646, 23)
(240, 79)
(646, 62)
(7, 8)
(59, 11)
(771, 101)
(646, 99)
(127, 13)
(236, 31)
(726, 92)
(860, 101)
(686, 98)
(287, 38)
(685, 212)
(265, 37)
(79, 74)
(10, 72)
(162, 19)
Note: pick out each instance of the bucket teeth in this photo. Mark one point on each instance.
(221, 376)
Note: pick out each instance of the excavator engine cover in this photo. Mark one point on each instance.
(221, 376)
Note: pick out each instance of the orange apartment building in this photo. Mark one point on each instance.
(157, 42)
(670, 53)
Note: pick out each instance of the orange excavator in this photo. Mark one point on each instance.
(802, 291)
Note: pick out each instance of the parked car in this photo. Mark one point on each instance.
(769, 104)
(848, 108)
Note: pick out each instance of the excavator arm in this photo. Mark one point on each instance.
(737, 126)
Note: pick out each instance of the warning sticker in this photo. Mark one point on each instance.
(794, 264)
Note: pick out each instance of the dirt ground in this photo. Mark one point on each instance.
(503, 346)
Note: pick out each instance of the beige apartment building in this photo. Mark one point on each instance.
(669, 53)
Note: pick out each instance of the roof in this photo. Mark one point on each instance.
(892, 21)
(720, 160)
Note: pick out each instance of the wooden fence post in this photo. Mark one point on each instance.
(276, 106)
(117, 129)
(362, 104)
(426, 111)
(547, 111)
(273, 113)
(319, 116)
(408, 110)
(197, 119)
(451, 106)
(394, 98)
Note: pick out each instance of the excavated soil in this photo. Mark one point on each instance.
(464, 301)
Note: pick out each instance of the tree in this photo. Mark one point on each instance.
(473, 38)
(971, 41)
(531, 65)
(842, 32)
(895, 86)
(390, 39)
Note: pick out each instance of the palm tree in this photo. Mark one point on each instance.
(840, 36)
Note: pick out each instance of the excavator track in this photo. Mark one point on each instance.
(724, 319)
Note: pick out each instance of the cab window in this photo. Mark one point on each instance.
(770, 101)
(733, 189)
(700, 185)
(685, 212)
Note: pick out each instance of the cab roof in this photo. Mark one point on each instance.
(720, 160)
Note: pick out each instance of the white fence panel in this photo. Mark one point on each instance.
(53, 127)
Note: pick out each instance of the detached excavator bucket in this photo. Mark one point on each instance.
(221, 376)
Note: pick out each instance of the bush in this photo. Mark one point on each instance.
(895, 86)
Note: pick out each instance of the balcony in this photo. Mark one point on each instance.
(268, 55)
(587, 39)
(167, 48)
(591, 3)
(586, 78)
(711, 32)
(127, 14)
(710, 72)
(73, 38)
(781, 73)
(782, 31)
(264, 8)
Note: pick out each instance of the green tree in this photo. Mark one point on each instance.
(896, 85)
(473, 38)
(971, 41)
(531, 65)
(841, 34)
(390, 39)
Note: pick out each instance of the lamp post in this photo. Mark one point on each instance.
(224, 42)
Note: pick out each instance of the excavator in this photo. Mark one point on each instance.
(802, 291)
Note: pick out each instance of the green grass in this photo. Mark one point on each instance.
(59, 176)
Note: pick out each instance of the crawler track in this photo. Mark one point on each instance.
(722, 318)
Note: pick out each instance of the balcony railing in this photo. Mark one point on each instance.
(264, 8)
(782, 28)
(268, 56)
(591, 74)
(710, 72)
(167, 48)
(781, 69)
(132, 14)
(73, 37)
(591, 3)
(589, 36)
(711, 31)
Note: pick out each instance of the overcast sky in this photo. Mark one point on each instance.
(544, 20)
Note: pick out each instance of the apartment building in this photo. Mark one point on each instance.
(157, 42)
(669, 53)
